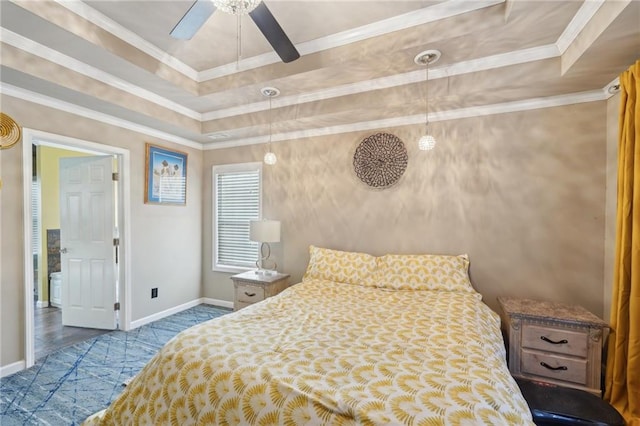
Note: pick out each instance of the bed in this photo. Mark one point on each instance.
(362, 340)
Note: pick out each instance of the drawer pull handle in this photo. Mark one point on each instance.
(559, 342)
(545, 365)
(249, 294)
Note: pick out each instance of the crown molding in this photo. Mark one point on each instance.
(577, 24)
(517, 106)
(37, 98)
(459, 68)
(439, 11)
(433, 13)
(464, 67)
(99, 19)
(477, 111)
(51, 55)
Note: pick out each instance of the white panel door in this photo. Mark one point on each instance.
(87, 221)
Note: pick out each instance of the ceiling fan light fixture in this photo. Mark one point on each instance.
(236, 7)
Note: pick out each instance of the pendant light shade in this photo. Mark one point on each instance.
(270, 157)
(427, 141)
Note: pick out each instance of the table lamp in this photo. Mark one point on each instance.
(265, 231)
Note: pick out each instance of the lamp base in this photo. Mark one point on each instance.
(264, 259)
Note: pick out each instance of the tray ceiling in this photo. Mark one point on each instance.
(356, 71)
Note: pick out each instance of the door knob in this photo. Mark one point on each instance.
(63, 250)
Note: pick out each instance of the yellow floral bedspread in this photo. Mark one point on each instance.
(335, 354)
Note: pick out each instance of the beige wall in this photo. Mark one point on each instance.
(12, 256)
(48, 172)
(522, 193)
(613, 105)
(165, 241)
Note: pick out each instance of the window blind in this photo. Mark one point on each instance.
(237, 202)
(35, 216)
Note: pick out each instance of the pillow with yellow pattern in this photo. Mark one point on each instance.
(340, 266)
(424, 272)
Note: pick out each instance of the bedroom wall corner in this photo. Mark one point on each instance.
(613, 106)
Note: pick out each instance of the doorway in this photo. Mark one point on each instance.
(35, 325)
(54, 170)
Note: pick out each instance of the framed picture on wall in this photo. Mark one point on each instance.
(165, 176)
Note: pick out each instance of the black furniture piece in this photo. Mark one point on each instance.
(553, 405)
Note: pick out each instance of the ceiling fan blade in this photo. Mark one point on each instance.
(191, 22)
(274, 33)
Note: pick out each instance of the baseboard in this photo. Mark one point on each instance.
(7, 370)
(180, 308)
(165, 313)
(42, 304)
(217, 302)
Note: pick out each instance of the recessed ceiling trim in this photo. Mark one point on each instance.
(92, 15)
(477, 111)
(474, 65)
(20, 42)
(37, 98)
(516, 106)
(500, 60)
(437, 12)
(407, 20)
(501, 108)
(459, 68)
(577, 24)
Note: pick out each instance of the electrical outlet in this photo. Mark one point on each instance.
(154, 292)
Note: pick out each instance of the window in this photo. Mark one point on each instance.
(237, 196)
(35, 217)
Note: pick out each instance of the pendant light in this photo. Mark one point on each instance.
(427, 141)
(270, 92)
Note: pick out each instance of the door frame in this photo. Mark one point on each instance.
(36, 137)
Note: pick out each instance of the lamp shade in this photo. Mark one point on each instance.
(264, 231)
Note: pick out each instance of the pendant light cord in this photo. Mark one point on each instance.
(426, 106)
(270, 123)
(238, 41)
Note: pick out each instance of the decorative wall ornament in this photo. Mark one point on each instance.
(380, 160)
(10, 131)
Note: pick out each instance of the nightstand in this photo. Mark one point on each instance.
(250, 287)
(553, 342)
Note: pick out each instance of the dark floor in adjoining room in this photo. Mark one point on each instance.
(68, 385)
(50, 335)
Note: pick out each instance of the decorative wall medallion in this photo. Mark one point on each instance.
(380, 160)
(10, 131)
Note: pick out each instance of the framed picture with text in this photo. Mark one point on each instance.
(165, 176)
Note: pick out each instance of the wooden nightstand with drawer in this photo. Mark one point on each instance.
(250, 287)
(553, 342)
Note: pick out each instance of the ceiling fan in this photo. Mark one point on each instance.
(201, 10)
